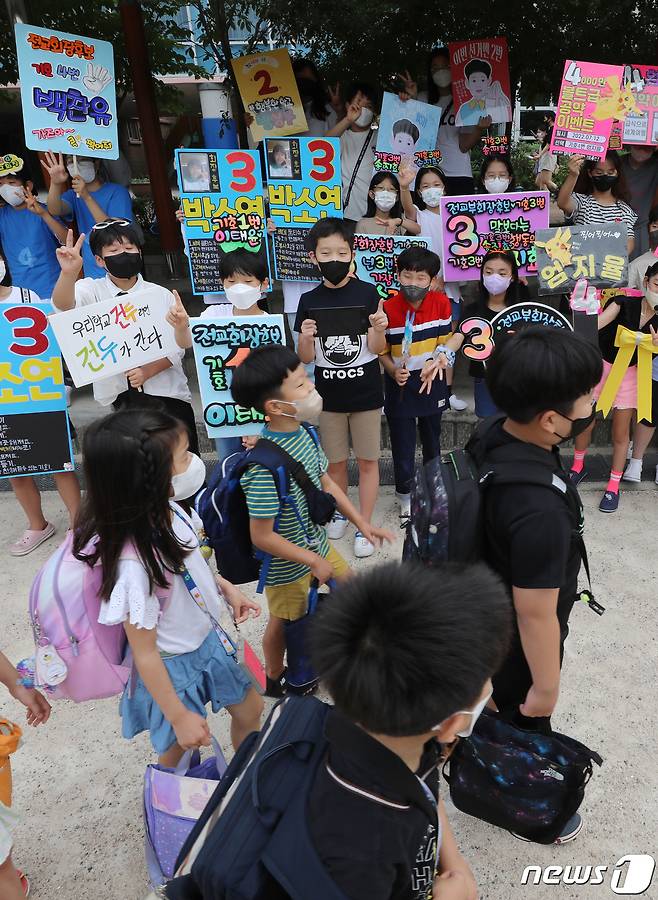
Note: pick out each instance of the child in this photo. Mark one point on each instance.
(13, 883)
(273, 381)
(546, 164)
(405, 137)
(132, 461)
(347, 372)
(407, 654)
(115, 245)
(358, 142)
(384, 214)
(90, 200)
(637, 268)
(419, 321)
(499, 287)
(496, 175)
(279, 162)
(25, 488)
(594, 193)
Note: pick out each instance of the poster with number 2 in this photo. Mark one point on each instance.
(269, 92)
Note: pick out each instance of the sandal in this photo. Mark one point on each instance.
(25, 883)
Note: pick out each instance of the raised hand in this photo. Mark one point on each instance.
(575, 165)
(334, 98)
(379, 320)
(430, 370)
(353, 111)
(177, 315)
(54, 166)
(69, 256)
(406, 175)
(484, 121)
(32, 203)
(96, 79)
(410, 91)
(79, 185)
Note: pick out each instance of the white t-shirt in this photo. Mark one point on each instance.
(318, 127)
(22, 295)
(181, 626)
(351, 145)
(454, 163)
(171, 382)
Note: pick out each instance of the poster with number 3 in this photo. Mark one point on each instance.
(269, 93)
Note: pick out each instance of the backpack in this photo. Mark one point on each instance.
(77, 658)
(253, 833)
(222, 507)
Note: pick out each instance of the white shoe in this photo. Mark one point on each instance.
(337, 527)
(457, 403)
(633, 471)
(362, 546)
(405, 505)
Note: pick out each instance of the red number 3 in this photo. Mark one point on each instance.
(244, 166)
(323, 163)
(267, 87)
(33, 332)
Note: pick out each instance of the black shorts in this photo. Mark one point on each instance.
(653, 422)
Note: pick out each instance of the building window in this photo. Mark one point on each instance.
(134, 130)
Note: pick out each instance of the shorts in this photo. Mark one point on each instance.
(8, 821)
(364, 428)
(626, 396)
(290, 601)
(653, 422)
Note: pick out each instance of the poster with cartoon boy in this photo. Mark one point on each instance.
(407, 132)
(480, 81)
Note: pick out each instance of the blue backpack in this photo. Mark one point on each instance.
(252, 839)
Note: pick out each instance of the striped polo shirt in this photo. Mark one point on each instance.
(263, 501)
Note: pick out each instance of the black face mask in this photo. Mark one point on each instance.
(577, 426)
(334, 270)
(124, 265)
(413, 293)
(604, 182)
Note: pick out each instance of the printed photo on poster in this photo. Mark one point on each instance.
(480, 80)
(67, 92)
(219, 347)
(375, 259)
(269, 93)
(407, 134)
(474, 225)
(641, 125)
(565, 255)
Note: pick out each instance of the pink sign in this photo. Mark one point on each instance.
(474, 225)
(591, 98)
(641, 125)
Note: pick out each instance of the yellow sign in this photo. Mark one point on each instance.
(269, 93)
(10, 164)
(628, 342)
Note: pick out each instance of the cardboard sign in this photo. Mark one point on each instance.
(115, 335)
(375, 256)
(269, 93)
(304, 184)
(591, 98)
(10, 164)
(219, 346)
(597, 253)
(67, 92)
(474, 225)
(407, 134)
(641, 125)
(480, 80)
(223, 208)
(34, 424)
(480, 335)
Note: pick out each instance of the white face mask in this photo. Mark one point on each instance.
(496, 185)
(306, 410)
(385, 200)
(12, 194)
(242, 296)
(365, 117)
(442, 77)
(86, 171)
(187, 483)
(474, 713)
(3, 270)
(432, 196)
(651, 297)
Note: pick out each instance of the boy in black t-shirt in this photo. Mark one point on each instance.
(407, 673)
(347, 374)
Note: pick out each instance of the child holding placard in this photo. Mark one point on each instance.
(384, 214)
(496, 175)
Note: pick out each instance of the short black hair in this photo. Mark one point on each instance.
(402, 646)
(244, 262)
(540, 369)
(650, 272)
(361, 87)
(104, 237)
(420, 174)
(396, 211)
(259, 377)
(477, 65)
(418, 259)
(326, 228)
(653, 215)
(405, 126)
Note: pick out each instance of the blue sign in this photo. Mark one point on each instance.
(67, 92)
(407, 134)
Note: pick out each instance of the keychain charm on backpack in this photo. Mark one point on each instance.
(49, 667)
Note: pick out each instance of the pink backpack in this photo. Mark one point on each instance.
(76, 657)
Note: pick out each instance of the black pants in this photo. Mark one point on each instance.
(403, 445)
(180, 409)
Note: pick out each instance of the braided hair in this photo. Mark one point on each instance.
(128, 469)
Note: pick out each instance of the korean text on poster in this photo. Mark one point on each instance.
(269, 93)
(597, 253)
(375, 256)
(304, 185)
(67, 92)
(407, 134)
(480, 80)
(641, 123)
(474, 225)
(480, 335)
(223, 208)
(591, 98)
(115, 335)
(220, 346)
(34, 423)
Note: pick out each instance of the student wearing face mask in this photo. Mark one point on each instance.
(639, 168)
(88, 201)
(496, 175)
(384, 214)
(322, 106)
(161, 383)
(638, 267)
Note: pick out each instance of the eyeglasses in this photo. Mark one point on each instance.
(121, 222)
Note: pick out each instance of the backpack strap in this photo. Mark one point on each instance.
(346, 201)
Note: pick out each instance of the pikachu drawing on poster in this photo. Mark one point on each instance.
(618, 104)
(558, 248)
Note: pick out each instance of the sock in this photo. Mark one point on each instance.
(613, 484)
(578, 463)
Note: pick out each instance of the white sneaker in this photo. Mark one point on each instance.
(362, 546)
(337, 527)
(405, 505)
(633, 471)
(457, 403)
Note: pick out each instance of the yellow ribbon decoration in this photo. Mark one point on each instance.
(628, 341)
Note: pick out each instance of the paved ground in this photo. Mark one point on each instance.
(78, 783)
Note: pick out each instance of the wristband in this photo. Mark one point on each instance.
(448, 353)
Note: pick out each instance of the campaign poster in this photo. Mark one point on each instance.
(304, 184)
(641, 125)
(269, 93)
(34, 423)
(219, 346)
(375, 258)
(407, 135)
(480, 335)
(10, 164)
(480, 80)
(474, 225)
(112, 336)
(67, 92)
(495, 143)
(223, 207)
(597, 253)
(591, 98)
